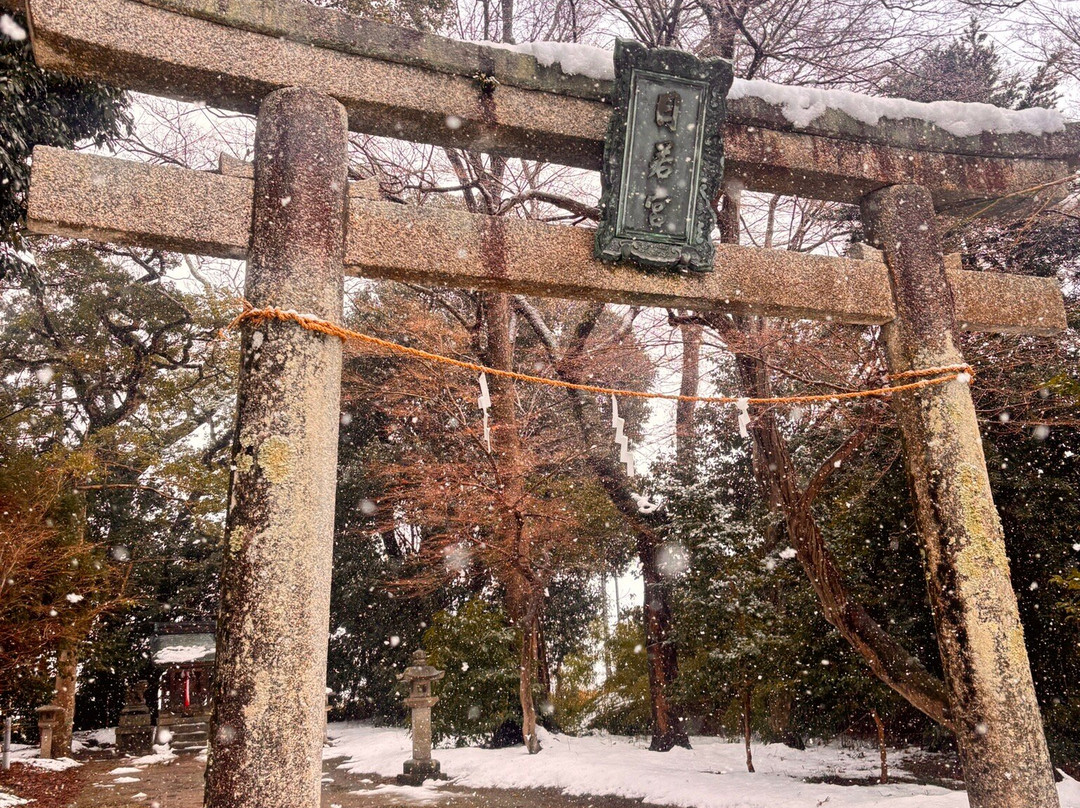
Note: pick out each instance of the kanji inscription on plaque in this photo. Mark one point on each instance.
(663, 158)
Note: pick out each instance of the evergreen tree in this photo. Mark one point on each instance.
(477, 649)
(969, 69)
(113, 362)
(374, 626)
(40, 107)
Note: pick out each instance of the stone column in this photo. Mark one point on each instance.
(421, 729)
(269, 716)
(981, 641)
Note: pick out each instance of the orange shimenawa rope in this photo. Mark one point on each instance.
(927, 377)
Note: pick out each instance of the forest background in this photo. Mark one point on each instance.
(783, 595)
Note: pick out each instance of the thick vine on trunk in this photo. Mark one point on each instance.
(777, 477)
(775, 471)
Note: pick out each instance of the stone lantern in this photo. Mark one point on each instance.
(419, 677)
(49, 718)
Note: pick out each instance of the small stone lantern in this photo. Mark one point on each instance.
(419, 677)
(49, 718)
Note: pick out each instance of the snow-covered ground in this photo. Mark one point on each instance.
(711, 775)
(93, 738)
(28, 756)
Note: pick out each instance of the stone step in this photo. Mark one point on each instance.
(185, 736)
(192, 727)
(172, 720)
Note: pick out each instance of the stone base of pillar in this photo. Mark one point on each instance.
(417, 771)
(135, 735)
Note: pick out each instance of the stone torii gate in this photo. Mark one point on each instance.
(311, 74)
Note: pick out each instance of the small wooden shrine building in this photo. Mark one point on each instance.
(184, 655)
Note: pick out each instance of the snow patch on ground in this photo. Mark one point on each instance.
(801, 106)
(711, 775)
(420, 795)
(126, 770)
(163, 755)
(94, 737)
(31, 756)
(1069, 790)
(50, 764)
(9, 800)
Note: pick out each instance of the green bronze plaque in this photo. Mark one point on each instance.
(663, 158)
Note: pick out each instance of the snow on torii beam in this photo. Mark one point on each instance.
(109, 199)
(406, 84)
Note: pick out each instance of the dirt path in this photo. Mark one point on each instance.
(116, 783)
(178, 784)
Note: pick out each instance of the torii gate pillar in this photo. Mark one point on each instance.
(992, 698)
(269, 716)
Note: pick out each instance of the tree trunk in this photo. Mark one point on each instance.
(543, 664)
(507, 7)
(607, 626)
(525, 688)
(780, 702)
(881, 746)
(66, 680)
(667, 731)
(684, 409)
(522, 597)
(747, 694)
(660, 650)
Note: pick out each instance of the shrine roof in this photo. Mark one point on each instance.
(175, 649)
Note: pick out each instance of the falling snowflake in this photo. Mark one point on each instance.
(11, 29)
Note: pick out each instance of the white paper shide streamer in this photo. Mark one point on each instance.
(744, 416)
(644, 505)
(623, 442)
(484, 402)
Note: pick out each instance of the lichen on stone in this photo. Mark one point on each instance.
(276, 458)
